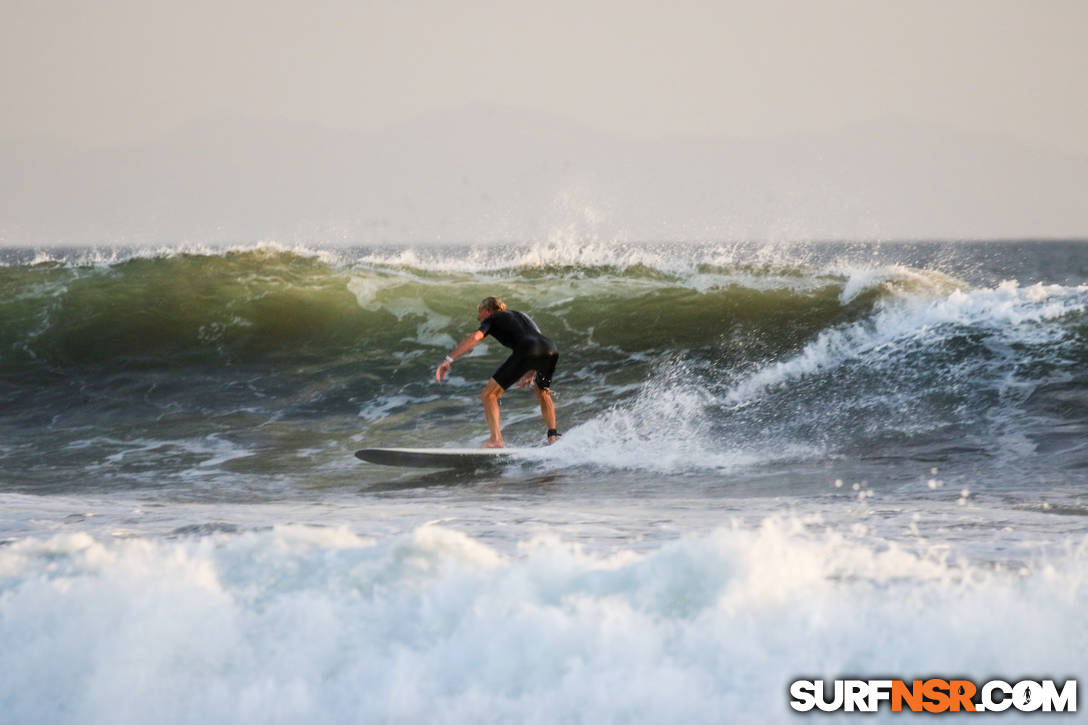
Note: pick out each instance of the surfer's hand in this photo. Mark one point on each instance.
(443, 370)
(526, 379)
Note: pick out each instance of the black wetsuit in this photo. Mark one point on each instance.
(532, 351)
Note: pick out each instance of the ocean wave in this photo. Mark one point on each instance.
(746, 363)
(249, 301)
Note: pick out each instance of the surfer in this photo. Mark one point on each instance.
(532, 362)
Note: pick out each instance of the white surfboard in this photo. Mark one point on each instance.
(438, 457)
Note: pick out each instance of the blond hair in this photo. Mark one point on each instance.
(491, 304)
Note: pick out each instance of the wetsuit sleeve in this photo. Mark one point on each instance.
(485, 326)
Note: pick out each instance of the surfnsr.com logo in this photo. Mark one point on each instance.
(934, 695)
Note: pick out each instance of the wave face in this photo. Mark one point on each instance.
(673, 358)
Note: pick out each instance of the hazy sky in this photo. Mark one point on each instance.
(114, 71)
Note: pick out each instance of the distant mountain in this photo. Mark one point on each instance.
(512, 175)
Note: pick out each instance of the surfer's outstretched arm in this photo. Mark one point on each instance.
(462, 348)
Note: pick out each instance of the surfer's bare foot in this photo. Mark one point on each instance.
(493, 444)
(552, 439)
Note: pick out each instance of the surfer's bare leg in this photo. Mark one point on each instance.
(490, 398)
(547, 410)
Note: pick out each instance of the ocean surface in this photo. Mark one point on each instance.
(779, 461)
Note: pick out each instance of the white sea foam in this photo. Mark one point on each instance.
(108, 255)
(383, 406)
(1008, 313)
(666, 428)
(320, 625)
(212, 449)
(569, 246)
(575, 250)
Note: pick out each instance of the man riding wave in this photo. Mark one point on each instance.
(532, 362)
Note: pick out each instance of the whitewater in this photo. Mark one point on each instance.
(779, 461)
